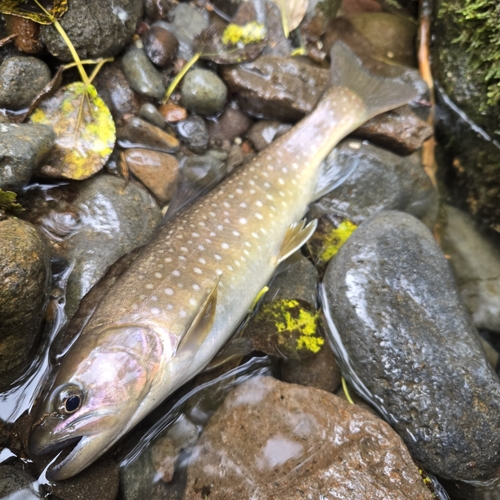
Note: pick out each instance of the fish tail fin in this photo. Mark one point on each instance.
(379, 94)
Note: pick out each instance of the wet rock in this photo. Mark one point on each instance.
(149, 113)
(203, 92)
(231, 123)
(97, 28)
(115, 90)
(381, 181)
(475, 262)
(144, 78)
(262, 133)
(276, 87)
(399, 130)
(172, 112)
(88, 217)
(100, 480)
(25, 277)
(22, 148)
(274, 440)
(137, 132)
(16, 484)
(160, 45)
(21, 79)
(159, 172)
(411, 348)
(298, 281)
(187, 24)
(393, 35)
(203, 170)
(194, 131)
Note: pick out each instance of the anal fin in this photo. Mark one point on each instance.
(201, 325)
(298, 233)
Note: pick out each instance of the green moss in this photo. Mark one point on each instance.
(479, 25)
(8, 202)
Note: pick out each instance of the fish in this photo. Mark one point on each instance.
(180, 300)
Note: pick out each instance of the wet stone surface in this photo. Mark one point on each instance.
(412, 348)
(22, 149)
(15, 482)
(137, 132)
(142, 75)
(25, 277)
(96, 28)
(21, 79)
(274, 440)
(203, 92)
(194, 131)
(87, 219)
(160, 45)
(381, 181)
(149, 113)
(116, 92)
(475, 261)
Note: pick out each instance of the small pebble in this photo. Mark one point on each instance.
(138, 132)
(144, 78)
(203, 92)
(231, 123)
(195, 133)
(172, 113)
(160, 45)
(149, 112)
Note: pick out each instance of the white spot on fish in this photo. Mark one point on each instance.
(201, 247)
(269, 157)
(218, 272)
(248, 244)
(246, 252)
(182, 313)
(181, 257)
(281, 181)
(197, 270)
(201, 260)
(230, 268)
(295, 166)
(169, 307)
(169, 291)
(196, 287)
(243, 205)
(239, 191)
(201, 223)
(180, 236)
(225, 246)
(236, 233)
(242, 220)
(259, 216)
(192, 301)
(285, 170)
(220, 227)
(267, 185)
(195, 235)
(158, 275)
(282, 193)
(270, 168)
(142, 296)
(255, 235)
(212, 214)
(149, 286)
(155, 310)
(226, 204)
(259, 203)
(217, 256)
(176, 273)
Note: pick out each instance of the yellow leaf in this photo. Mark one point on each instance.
(29, 10)
(292, 13)
(85, 131)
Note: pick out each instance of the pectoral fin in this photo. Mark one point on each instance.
(202, 323)
(235, 348)
(297, 234)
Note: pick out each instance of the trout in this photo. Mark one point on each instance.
(177, 304)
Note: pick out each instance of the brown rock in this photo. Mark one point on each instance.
(271, 440)
(159, 172)
(231, 123)
(284, 88)
(262, 133)
(160, 45)
(27, 32)
(172, 112)
(399, 130)
(141, 133)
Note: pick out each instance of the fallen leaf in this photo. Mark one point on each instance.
(30, 10)
(86, 133)
(232, 45)
(292, 13)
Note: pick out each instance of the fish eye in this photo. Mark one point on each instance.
(70, 399)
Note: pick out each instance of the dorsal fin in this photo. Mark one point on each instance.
(298, 233)
(201, 325)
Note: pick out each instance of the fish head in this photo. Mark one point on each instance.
(95, 396)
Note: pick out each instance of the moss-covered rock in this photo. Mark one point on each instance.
(466, 65)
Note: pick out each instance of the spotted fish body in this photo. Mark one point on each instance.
(180, 300)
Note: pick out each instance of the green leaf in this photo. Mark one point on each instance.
(30, 10)
(86, 133)
(8, 202)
